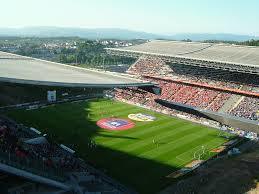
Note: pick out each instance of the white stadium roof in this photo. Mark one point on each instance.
(222, 53)
(27, 70)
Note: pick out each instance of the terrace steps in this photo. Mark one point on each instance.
(231, 103)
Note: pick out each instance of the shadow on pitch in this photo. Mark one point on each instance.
(69, 124)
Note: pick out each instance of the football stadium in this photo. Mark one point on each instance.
(178, 109)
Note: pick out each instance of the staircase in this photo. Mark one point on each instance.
(231, 103)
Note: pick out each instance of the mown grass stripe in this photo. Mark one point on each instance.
(178, 143)
(184, 145)
(138, 133)
(164, 140)
(129, 160)
(161, 137)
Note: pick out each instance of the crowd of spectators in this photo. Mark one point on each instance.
(147, 65)
(190, 95)
(247, 108)
(184, 94)
(23, 148)
(154, 66)
(239, 132)
(219, 101)
(147, 100)
(196, 96)
(13, 143)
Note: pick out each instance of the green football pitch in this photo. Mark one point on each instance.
(130, 156)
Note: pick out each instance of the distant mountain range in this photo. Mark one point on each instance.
(115, 33)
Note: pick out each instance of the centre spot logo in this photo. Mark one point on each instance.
(141, 117)
(115, 124)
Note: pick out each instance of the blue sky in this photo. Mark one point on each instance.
(157, 16)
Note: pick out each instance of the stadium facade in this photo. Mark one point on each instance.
(229, 73)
